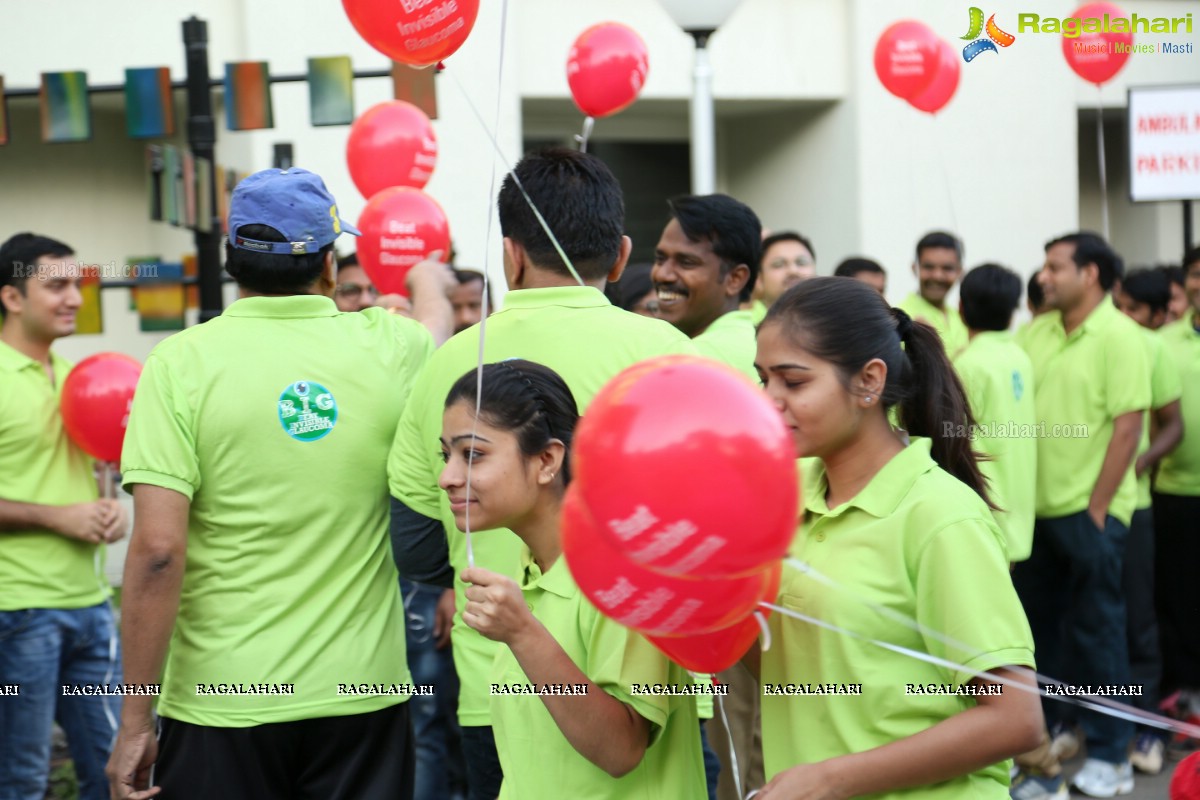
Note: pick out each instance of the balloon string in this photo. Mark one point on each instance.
(517, 182)
(941, 159)
(589, 122)
(765, 629)
(1098, 703)
(1103, 160)
(484, 309)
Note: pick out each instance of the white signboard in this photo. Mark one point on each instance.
(1164, 143)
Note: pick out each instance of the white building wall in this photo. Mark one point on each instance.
(806, 133)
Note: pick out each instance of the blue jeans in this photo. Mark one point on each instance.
(435, 727)
(712, 766)
(1072, 593)
(42, 650)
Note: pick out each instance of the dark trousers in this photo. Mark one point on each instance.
(1177, 543)
(484, 775)
(1071, 590)
(1141, 620)
(358, 757)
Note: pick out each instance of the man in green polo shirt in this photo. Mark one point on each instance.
(549, 318)
(56, 626)
(998, 379)
(1143, 297)
(257, 450)
(787, 259)
(937, 268)
(1091, 370)
(1177, 506)
(705, 266)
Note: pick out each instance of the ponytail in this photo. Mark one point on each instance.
(934, 396)
(847, 323)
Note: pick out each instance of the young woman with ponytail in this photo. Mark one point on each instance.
(892, 522)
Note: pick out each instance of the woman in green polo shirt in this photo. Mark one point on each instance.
(566, 719)
(899, 525)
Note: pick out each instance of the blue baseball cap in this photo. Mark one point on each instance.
(294, 202)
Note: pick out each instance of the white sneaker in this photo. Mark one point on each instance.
(1102, 779)
(1147, 755)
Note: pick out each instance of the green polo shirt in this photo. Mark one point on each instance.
(275, 420)
(40, 464)
(1179, 470)
(1084, 381)
(917, 541)
(1165, 388)
(758, 312)
(575, 331)
(536, 757)
(947, 322)
(730, 339)
(999, 381)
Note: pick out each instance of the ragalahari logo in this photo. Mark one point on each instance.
(995, 36)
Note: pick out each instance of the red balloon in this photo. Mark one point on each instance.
(607, 68)
(907, 57)
(96, 397)
(1097, 57)
(711, 652)
(945, 82)
(688, 469)
(392, 144)
(400, 227)
(1185, 781)
(649, 601)
(414, 32)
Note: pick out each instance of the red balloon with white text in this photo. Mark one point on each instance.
(1097, 56)
(688, 469)
(414, 32)
(391, 144)
(400, 227)
(934, 97)
(907, 57)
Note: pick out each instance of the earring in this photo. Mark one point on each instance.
(868, 398)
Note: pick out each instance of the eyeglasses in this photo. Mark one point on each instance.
(355, 290)
(645, 307)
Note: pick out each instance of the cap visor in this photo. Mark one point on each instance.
(348, 228)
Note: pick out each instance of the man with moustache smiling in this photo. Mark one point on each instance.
(938, 267)
(705, 265)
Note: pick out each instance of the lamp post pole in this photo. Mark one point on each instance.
(703, 119)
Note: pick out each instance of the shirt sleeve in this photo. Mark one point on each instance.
(1165, 384)
(966, 604)
(412, 471)
(160, 443)
(419, 547)
(1126, 373)
(618, 657)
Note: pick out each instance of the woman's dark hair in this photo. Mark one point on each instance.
(989, 295)
(273, 273)
(1149, 286)
(848, 323)
(528, 399)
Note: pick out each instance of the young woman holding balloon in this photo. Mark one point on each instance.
(890, 531)
(567, 722)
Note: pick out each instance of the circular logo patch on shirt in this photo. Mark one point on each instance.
(307, 411)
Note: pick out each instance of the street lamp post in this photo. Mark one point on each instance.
(701, 18)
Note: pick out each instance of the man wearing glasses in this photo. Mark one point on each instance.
(787, 259)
